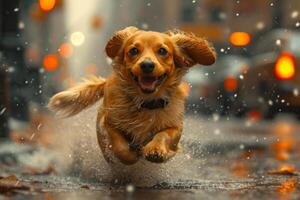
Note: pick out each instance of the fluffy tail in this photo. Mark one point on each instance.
(74, 100)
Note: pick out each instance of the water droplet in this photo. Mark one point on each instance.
(145, 26)
(296, 92)
(294, 14)
(260, 25)
(21, 25)
(217, 131)
(130, 188)
(270, 102)
(278, 42)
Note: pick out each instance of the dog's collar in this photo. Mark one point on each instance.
(155, 104)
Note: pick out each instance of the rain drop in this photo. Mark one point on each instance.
(278, 42)
(294, 14)
(2, 111)
(296, 92)
(130, 188)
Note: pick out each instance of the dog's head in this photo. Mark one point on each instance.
(152, 59)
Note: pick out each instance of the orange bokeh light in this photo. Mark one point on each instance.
(50, 62)
(47, 5)
(230, 84)
(254, 115)
(65, 50)
(287, 186)
(240, 38)
(91, 69)
(285, 66)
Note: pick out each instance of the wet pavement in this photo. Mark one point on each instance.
(220, 159)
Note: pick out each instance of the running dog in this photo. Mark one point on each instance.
(143, 99)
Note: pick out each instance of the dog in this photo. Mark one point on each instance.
(143, 100)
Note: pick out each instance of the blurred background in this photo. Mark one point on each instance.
(242, 113)
(49, 45)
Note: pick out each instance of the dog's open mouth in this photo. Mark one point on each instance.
(148, 84)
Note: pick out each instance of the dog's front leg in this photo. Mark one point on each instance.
(163, 146)
(120, 146)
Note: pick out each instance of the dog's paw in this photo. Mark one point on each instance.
(157, 153)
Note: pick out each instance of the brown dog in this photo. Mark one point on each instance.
(143, 99)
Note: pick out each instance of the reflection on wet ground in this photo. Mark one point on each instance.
(223, 159)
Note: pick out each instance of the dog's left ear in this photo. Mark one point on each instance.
(191, 49)
(115, 43)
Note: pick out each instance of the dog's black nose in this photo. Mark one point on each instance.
(147, 66)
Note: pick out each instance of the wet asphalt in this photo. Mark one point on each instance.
(221, 158)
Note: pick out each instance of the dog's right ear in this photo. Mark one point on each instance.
(115, 43)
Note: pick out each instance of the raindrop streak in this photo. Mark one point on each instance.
(2, 111)
(32, 136)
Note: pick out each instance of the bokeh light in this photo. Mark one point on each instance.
(239, 38)
(96, 22)
(91, 69)
(77, 38)
(65, 50)
(50, 62)
(47, 5)
(230, 84)
(285, 66)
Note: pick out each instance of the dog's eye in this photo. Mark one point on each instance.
(134, 51)
(162, 51)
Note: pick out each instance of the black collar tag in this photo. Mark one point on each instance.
(154, 104)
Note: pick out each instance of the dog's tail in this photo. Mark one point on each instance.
(74, 100)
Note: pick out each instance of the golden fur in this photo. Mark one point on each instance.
(125, 129)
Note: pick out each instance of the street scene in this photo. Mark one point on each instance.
(241, 121)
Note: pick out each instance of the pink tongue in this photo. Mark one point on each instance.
(148, 82)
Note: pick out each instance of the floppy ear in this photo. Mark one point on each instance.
(115, 43)
(192, 49)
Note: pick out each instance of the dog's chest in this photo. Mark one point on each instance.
(142, 124)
